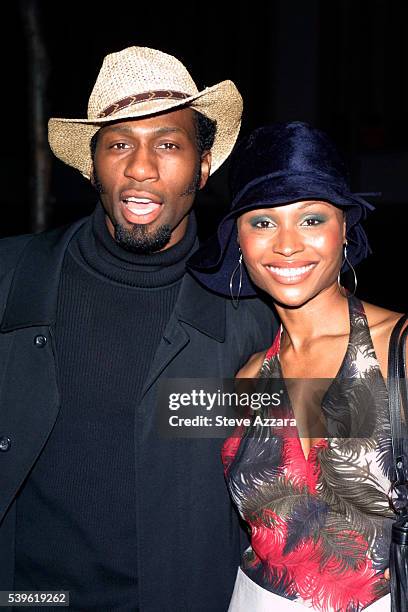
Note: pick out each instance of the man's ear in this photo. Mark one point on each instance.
(205, 168)
(92, 176)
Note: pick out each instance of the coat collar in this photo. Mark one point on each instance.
(33, 295)
(201, 309)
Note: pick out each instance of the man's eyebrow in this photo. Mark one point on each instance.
(169, 130)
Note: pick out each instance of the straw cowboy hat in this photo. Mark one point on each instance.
(138, 82)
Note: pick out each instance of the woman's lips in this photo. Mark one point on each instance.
(289, 274)
(140, 210)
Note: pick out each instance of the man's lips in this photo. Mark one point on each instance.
(290, 272)
(140, 208)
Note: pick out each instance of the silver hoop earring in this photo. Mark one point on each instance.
(345, 260)
(238, 267)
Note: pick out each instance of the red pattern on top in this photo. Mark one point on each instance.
(275, 348)
(296, 551)
(297, 469)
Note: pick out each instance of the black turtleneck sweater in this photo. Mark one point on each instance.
(76, 526)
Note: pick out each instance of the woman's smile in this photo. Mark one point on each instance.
(290, 272)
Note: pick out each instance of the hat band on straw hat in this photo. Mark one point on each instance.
(160, 94)
(138, 83)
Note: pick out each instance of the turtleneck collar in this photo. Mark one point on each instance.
(95, 246)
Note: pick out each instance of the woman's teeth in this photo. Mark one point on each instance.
(290, 272)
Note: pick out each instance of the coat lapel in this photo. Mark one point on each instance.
(196, 308)
(29, 406)
(29, 393)
(33, 295)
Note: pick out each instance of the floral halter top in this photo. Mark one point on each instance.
(320, 526)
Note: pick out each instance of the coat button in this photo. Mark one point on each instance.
(40, 341)
(5, 443)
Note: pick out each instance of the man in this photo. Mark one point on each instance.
(92, 499)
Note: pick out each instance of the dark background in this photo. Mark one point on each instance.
(342, 65)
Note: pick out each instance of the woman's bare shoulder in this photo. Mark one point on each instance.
(381, 322)
(252, 366)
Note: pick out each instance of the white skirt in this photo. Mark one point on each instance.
(250, 597)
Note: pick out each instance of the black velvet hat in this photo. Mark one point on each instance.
(276, 165)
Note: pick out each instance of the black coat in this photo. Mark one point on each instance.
(189, 542)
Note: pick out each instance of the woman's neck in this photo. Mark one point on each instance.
(326, 314)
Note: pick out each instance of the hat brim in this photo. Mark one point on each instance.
(288, 187)
(70, 139)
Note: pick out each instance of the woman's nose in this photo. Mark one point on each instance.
(287, 241)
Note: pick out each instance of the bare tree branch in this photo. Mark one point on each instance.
(38, 77)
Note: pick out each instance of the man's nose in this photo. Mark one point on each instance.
(142, 165)
(287, 242)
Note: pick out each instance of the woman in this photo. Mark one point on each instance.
(314, 498)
